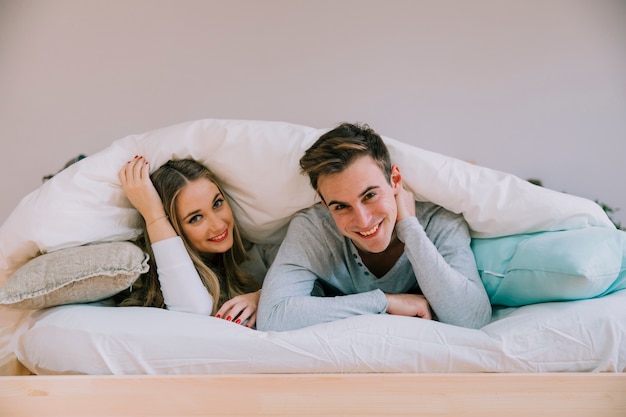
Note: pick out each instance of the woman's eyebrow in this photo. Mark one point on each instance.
(193, 213)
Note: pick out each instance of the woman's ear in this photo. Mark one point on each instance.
(396, 179)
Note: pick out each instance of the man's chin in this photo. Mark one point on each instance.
(370, 247)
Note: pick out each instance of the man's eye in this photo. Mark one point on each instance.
(339, 207)
(369, 196)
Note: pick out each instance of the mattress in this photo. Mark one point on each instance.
(573, 336)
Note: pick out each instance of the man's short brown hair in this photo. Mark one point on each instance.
(336, 149)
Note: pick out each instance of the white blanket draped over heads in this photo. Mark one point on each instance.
(257, 163)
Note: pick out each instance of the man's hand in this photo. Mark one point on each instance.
(405, 201)
(412, 305)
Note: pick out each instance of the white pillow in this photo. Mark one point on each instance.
(257, 162)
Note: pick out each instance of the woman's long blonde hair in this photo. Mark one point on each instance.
(222, 276)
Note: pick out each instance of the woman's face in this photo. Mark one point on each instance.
(205, 217)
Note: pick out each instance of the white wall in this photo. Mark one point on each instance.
(532, 87)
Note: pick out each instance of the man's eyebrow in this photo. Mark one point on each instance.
(367, 190)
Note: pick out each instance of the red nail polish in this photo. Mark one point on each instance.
(229, 318)
(218, 316)
(238, 321)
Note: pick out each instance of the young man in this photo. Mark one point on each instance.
(369, 246)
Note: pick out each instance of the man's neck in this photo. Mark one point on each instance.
(380, 263)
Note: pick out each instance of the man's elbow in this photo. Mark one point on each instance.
(481, 318)
(472, 319)
(273, 318)
(262, 323)
(265, 318)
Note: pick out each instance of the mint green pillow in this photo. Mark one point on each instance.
(552, 266)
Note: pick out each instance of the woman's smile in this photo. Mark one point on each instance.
(222, 236)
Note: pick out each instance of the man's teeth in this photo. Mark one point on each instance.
(369, 232)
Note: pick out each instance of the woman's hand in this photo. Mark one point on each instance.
(241, 309)
(135, 180)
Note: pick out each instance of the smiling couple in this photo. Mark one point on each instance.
(367, 248)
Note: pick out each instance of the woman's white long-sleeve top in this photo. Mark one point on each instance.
(180, 282)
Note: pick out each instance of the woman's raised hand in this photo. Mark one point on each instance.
(135, 180)
(241, 309)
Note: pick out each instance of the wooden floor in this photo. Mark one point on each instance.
(458, 395)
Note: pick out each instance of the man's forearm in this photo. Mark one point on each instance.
(296, 312)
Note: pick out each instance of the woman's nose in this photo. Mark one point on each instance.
(215, 224)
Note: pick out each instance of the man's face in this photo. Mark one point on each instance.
(363, 203)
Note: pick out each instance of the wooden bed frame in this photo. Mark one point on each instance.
(458, 395)
(369, 394)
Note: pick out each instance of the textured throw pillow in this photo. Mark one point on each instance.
(74, 275)
(552, 266)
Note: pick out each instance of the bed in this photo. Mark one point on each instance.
(553, 265)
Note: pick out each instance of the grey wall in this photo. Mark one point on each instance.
(536, 88)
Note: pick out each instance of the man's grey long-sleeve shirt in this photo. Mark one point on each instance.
(437, 262)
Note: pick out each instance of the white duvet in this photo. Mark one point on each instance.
(573, 336)
(258, 164)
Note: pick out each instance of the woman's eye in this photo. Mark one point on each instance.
(195, 219)
(218, 203)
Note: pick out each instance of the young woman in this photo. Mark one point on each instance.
(199, 261)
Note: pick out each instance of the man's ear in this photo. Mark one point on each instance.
(396, 178)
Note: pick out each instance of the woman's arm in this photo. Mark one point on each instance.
(180, 283)
(135, 180)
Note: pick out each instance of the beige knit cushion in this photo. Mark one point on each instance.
(74, 275)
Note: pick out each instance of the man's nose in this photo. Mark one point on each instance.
(361, 216)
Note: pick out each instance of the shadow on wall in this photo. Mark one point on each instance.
(70, 162)
(607, 209)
